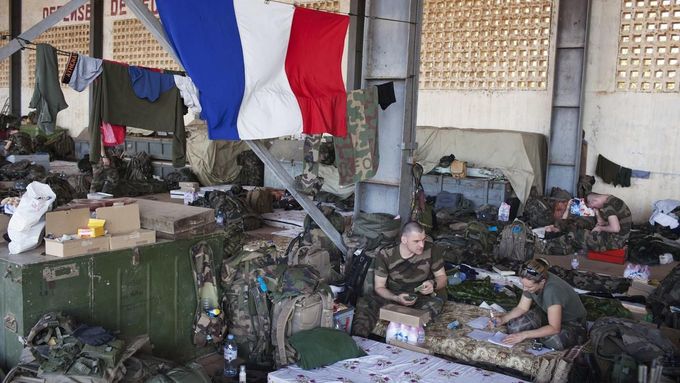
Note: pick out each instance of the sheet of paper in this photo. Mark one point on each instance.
(539, 352)
(480, 335)
(497, 308)
(497, 338)
(479, 323)
(579, 291)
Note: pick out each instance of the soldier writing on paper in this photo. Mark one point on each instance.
(408, 274)
(558, 318)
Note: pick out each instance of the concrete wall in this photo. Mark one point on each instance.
(527, 111)
(636, 130)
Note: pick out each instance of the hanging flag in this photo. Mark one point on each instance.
(263, 69)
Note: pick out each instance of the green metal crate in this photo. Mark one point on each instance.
(147, 290)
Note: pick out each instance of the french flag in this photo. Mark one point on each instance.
(263, 69)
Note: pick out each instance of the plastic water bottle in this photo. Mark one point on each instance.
(574, 262)
(392, 329)
(230, 354)
(242, 374)
(575, 208)
(421, 336)
(504, 212)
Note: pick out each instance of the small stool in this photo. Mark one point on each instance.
(617, 256)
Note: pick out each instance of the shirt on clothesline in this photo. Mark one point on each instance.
(115, 102)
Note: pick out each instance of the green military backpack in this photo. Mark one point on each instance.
(479, 237)
(611, 337)
(300, 301)
(538, 211)
(244, 280)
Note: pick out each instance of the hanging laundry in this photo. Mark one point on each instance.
(356, 156)
(149, 84)
(265, 69)
(189, 93)
(112, 135)
(81, 71)
(115, 102)
(386, 95)
(612, 173)
(48, 99)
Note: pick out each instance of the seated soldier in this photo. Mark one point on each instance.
(611, 231)
(559, 317)
(400, 271)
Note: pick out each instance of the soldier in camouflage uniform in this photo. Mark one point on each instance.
(613, 226)
(559, 317)
(400, 271)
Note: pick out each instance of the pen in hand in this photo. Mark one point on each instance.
(493, 320)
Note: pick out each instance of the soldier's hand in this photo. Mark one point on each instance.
(403, 300)
(426, 288)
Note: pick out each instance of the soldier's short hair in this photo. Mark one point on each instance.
(412, 227)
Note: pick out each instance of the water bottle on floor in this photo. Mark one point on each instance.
(230, 354)
(574, 262)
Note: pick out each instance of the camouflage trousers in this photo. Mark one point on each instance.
(368, 310)
(572, 333)
(581, 240)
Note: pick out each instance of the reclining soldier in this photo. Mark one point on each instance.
(558, 318)
(611, 231)
(408, 274)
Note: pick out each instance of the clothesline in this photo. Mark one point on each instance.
(345, 13)
(23, 43)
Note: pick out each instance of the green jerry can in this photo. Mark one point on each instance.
(143, 290)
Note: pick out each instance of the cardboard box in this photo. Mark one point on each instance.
(136, 238)
(405, 315)
(124, 227)
(640, 288)
(172, 218)
(68, 222)
(120, 219)
(409, 346)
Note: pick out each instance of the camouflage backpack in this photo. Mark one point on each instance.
(61, 146)
(248, 316)
(612, 337)
(209, 322)
(517, 242)
(252, 169)
(260, 200)
(538, 212)
(22, 144)
(300, 301)
(479, 237)
(666, 295)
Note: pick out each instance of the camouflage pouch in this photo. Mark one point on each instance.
(209, 324)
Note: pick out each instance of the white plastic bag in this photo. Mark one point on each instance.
(27, 223)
